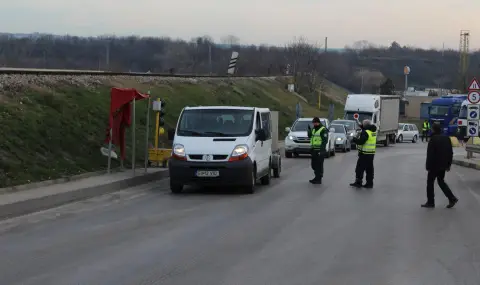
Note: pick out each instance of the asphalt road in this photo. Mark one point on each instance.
(289, 233)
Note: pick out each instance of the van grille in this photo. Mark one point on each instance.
(213, 157)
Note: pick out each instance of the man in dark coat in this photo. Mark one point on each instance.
(439, 160)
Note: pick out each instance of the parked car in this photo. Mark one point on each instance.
(352, 128)
(339, 133)
(407, 132)
(297, 141)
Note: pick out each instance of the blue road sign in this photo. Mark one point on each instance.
(472, 131)
(473, 114)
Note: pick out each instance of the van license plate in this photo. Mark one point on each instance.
(207, 173)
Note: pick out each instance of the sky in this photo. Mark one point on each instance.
(420, 23)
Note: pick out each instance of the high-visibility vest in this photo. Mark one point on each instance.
(316, 139)
(370, 145)
(426, 126)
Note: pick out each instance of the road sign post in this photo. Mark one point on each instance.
(473, 112)
(473, 97)
(474, 86)
(472, 128)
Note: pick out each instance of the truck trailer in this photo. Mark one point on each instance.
(382, 110)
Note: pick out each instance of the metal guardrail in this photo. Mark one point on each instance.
(34, 71)
(471, 147)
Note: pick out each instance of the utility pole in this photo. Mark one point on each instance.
(107, 56)
(210, 57)
(464, 50)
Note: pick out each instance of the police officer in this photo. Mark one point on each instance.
(318, 142)
(366, 146)
(425, 129)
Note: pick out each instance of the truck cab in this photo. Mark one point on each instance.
(446, 111)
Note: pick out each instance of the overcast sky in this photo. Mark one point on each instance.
(422, 23)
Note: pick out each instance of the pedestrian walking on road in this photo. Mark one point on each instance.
(439, 160)
(318, 142)
(425, 130)
(366, 146)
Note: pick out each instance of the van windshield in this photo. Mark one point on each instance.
(216, 123)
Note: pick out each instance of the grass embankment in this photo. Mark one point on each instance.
(54, 127)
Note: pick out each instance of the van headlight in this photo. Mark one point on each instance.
(339, 139)
(290, 137)
(179, 151)
(240, 152)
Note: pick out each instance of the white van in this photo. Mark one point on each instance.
(224, 146)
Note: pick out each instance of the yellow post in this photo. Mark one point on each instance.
(157, 125)
(319, 99)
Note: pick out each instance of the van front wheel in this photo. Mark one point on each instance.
(265, 180)
(250, 189)
(176, 188)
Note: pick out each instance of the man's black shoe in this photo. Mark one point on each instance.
(452, 203)
(356, 184)
(316, 181)
(428, 205)
(368, 185)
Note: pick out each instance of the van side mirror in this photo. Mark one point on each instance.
(171, 134)
(261, 135)
(287, 129)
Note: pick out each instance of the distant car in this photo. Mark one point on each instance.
(352, 128)
(340, 136)
(407, 132)
(297, 141)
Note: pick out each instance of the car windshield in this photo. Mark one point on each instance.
(339, 129)
(349, 124)
(437, 110)
(216, 123)
(302, 126)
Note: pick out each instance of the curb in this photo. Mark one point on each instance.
(51, 201)
(29, 186)
(467, 164)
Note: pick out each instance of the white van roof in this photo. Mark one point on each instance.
(227, 107)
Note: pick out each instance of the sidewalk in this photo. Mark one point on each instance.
(36, 199)
(460, 158)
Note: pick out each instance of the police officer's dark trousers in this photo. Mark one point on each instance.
(318, 158)
(364, 164)
(425, 135)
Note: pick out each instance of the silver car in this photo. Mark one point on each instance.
(339, 133)
(352, 127)
(297, 141)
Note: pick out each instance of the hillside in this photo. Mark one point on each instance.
(54, 126)
(429, 68)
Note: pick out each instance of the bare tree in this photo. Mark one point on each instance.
(304, 58)
(230, 40)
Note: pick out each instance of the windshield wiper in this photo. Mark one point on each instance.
(219, 134)
(193, 133)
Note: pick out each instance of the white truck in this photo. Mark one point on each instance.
(382, 110)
